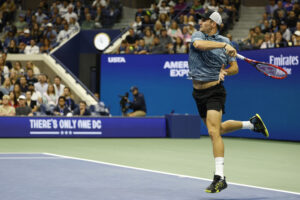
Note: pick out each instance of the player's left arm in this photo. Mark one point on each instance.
(232, 69)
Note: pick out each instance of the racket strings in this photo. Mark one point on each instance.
(270, 70)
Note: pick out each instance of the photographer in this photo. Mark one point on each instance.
(138, 104)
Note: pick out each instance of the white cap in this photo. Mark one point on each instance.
(49, 25)
(297, 33)
(213, 15)
(21, 97)
(26, 31)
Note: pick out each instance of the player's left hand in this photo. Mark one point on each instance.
(223, 73)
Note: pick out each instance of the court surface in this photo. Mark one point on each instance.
(48, 176)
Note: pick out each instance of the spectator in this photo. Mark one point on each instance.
(35, 95)
(12, 47)
(292, 20)
(30, 103)
(22, 109)
(25, 37)
(40, 15)
(8, 9)
(157, 47)
(21, 24)
(61, 109)
(82, 110)
(4, 68)
(50, 97)
(271, 7)
(5, 108)
(12, 99)
(70, 14)
(79, 10)
(147, 22)
(73, 25)
(174, 31)
(46, 46)
(32, 48)
(98, 17)
(22, 47)
(23, 84)
(42, 85)
(6, 62)
(30, 76)
(211, 5)
(180, 5)
(17, 68)
(64, 34)
(157, 27)
(88, 23)
(163, 8)
(138, 104)
(50, 34)
(70, 103)
(99, 108)
(265, 27)
(99, 3)
(280, 41)
(149, 37)
(258, 38)
(6, 87)
(137, 25)
(165, 39)
(191, 28)
(64, 8)
(274, 26)
(17, 90)
(179, 46)
(132, 37)
(58, 86)
(122, 48)
(141, 47)
(280, 13)
(285, 31)
(13, 77)
(164, 20)
(186, 35)
(296, 38)
(10, 36)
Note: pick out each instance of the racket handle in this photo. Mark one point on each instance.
(239, 56)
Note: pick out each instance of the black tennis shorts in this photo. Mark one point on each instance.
(212, 98)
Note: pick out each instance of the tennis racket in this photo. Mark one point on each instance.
(267, 69)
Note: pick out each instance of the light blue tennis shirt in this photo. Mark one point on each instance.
(206, 65)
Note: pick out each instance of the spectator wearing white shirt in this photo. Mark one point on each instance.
(58, 86)
(73, 26)
(64, 34)
(163, 8)
(99, 3)
(64, 8)
(42, 85)
(32, 48)
(34, 68)
(4, 68)
(70, 14)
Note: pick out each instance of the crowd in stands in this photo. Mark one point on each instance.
(279, 27)
(25, 91)
(167, 26)
(40, 30)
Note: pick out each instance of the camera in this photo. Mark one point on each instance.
(123, 103)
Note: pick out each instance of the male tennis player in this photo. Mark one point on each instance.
(209, 54)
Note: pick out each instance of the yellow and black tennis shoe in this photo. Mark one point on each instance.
(217, 185)
(259, 125)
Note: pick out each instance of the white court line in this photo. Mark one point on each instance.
(166, 173)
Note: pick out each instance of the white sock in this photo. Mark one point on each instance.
(219, 162)
(247, 125)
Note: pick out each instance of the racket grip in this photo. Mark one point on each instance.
(239, 56)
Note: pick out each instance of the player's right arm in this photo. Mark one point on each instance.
(204, 45)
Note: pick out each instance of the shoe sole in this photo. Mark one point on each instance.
(265, 128)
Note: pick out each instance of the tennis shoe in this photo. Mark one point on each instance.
(217, 185)
(259, 125)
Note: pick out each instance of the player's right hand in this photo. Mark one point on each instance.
(230, 50)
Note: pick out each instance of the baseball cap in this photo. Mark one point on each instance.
(49, 25)
(297, 33)
(21, 97)
(213, 15)
(26, 31)
(282, 23)
(133, 88)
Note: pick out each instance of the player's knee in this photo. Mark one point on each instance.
(214, 134)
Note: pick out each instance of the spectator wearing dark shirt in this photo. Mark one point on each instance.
(68, 99)
(279, 41)
(23, 84)
(61, 109)
(82, 110)
(138, 105)
(23, 109)
(132, 37)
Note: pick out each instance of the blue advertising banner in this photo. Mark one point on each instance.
(163, 81)
(82, 127)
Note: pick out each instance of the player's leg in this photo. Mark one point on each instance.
(213, 123)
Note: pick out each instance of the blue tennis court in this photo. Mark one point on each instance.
(48, 176)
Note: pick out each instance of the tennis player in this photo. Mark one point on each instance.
(210, 54)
